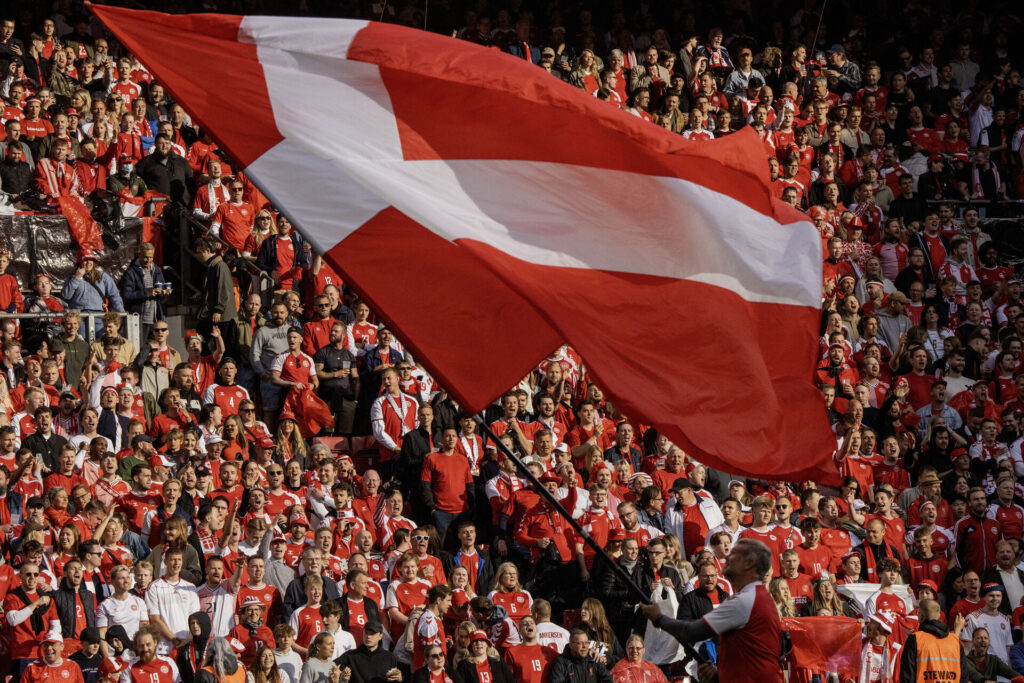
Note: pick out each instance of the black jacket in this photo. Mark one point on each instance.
(696, 604)
(568, 668)
(184, 660)
(295, 596)
(908, 660)
(465, 672)
(47, 449)
(366, 666)
(369, 609)
(612, 590)
(15, 178)
(484, 569)
(667, 571)
(421, 675)
(65, 602)
(173, 178)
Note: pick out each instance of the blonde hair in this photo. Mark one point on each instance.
(502, 569)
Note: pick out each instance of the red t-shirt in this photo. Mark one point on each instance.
(25, 641)
(447, 476)
(530, 663)
(309, 624)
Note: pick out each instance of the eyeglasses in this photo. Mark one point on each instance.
(421, 538)
(323, 305)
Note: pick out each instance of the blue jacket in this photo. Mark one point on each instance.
(266, 259)
(82, 296)
(516, 50)
(134, 291)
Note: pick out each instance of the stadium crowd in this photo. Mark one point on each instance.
(183, 511)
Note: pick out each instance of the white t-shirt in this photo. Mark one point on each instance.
(289, 663)
(129, 613)
(172, 602)
(552, 636)
(219, 605)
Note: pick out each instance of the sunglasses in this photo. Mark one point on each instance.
(421, 538)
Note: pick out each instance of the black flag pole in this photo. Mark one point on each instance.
(602, 554)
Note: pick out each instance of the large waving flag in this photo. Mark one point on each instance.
(490, 212)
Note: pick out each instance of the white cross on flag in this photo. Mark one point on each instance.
(490, 212)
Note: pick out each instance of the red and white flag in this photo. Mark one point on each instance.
(490, 212)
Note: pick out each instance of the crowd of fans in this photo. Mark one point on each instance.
(168, 513)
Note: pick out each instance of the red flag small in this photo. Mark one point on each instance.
(84, 229)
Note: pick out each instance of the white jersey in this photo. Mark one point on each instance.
(552, 636)
(172, 602)
(130, 613)
(219, 605)
(1000, 638)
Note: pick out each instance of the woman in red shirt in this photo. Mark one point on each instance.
(483, 665)
(508, 593)
(237, 447)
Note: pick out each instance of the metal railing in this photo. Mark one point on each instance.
(132, 324)
(188, 266)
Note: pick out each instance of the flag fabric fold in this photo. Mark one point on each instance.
(490, 212)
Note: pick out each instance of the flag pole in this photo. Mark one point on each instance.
(602, 554)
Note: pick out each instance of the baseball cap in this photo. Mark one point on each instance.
(478, 635)
(931, 585)
(298, 518)
(236, 645)
(265, 442)
(86, 254)
(837, 49)
(90, 635)
(547, 51)
(141, 438)
(550, 478)
(374, 626)
(53, 636)
(682, 483)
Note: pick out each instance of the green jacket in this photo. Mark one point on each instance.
(219, 291)
(993, 667)
(243, 338)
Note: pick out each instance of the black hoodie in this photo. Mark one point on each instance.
(908, 660)
(190, 658)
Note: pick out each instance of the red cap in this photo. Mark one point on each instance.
(617, 535)
(459, 598)
(298, 518)
(265, 442)
(236, 645)
(478, 635)
(71, 111)
(112, 665)
(929, 584)
(957, 452)
(818, 212)
(86, 254)
(286, 415)
(885, 619)
(34, 358)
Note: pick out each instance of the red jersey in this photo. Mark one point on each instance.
(24, 642)
(135, 505)
(918, 569)
(227, 397)
(159, 670)
(307, 623)
(39, 671)
(770, 539)
(530, 663)
(234, 222)
(814, 561)
(517, 603)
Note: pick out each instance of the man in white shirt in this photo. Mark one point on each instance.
(170, 600)
(122, 607)
(992, 620)
(217, 596)
(548, 634)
